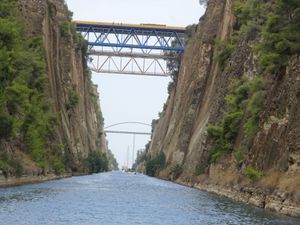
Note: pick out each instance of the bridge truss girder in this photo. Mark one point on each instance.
(130, 50)
(132, 37)
(129, 64)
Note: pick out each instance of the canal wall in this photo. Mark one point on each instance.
(80, 128)
(249, 194)
(29, 179)
(259, 197)
(75, 127)
(231, 124)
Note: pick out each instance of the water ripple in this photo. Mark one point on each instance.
(124, 199)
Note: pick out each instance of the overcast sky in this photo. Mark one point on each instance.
(133, 98)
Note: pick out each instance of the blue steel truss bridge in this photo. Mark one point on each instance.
(131, 48)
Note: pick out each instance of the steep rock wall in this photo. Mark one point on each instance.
(199, 100)
(182, 129)
(80, 131)
(79, 128)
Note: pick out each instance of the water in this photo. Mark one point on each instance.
(120, 198)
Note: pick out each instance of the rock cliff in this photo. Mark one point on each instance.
(78, 129)
(232, 121)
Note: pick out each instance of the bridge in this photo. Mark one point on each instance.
(134, 133)
(134, 49)
(127, 132)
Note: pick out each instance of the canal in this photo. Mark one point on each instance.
(121, 198)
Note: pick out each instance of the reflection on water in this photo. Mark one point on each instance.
(119, 198)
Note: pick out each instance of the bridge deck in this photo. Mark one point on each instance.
(127, 132)
(127, 25)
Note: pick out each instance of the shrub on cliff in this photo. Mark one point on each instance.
(73, 99)
(173, 64)
(239, 156)
(176, 171)
(9, 166)
(65, 29)
(25, 110)
(6, 126)
(277, 23)
(245, 102)
(280, 36)
(140, 158)
(95, 100)
(96, 162)
(153, 166)
(252, 173)
(82, 46)
(225, 134)
(223, 52)
(199, 170)
(58, 166)
(112, 161)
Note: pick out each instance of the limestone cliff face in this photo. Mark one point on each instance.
(199, 100)
(180, 133)
(80, 127)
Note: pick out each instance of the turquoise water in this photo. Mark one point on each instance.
(121, 198)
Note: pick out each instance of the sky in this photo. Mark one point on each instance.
(126, 98)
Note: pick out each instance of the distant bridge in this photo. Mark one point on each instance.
(126, 132)
(136, 49)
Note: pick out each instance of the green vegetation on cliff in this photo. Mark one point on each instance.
(155, 164)
(245, 102)
(96, 162)
(10, 166)
(73, 99)
(224, 51)
(27, 118)
(25, 110)
(280, 35)
(141, 156)
(278, 24)
(252, 173)
(271, 30)
(176, 171)
(112, 161)
(175, 58)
